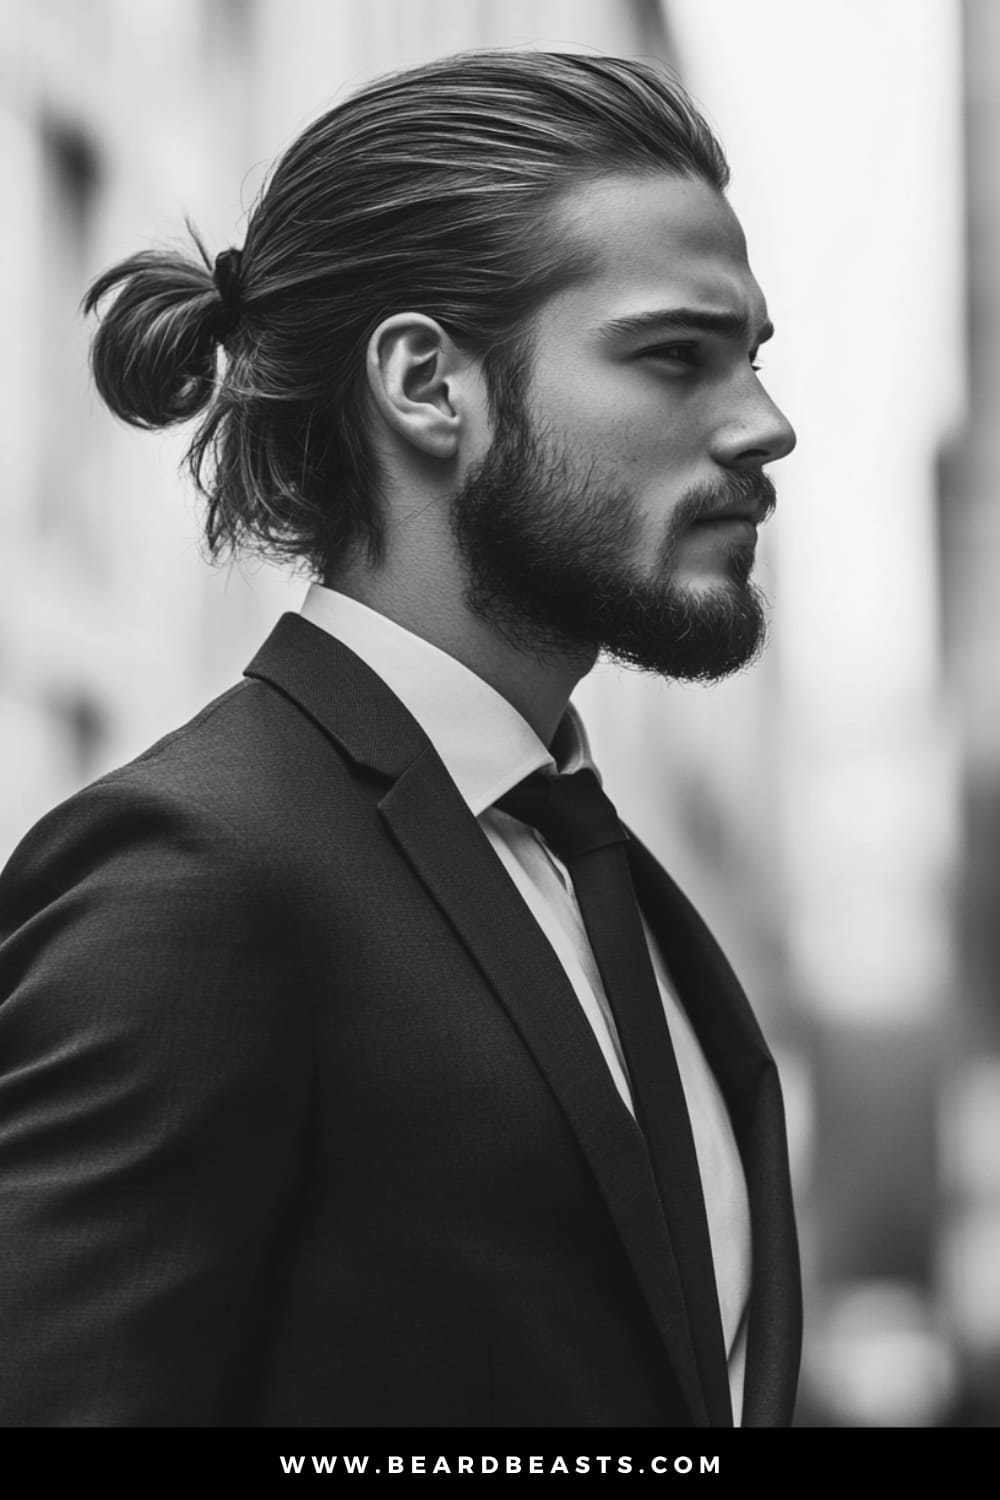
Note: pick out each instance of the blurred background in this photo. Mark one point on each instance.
(835, 812)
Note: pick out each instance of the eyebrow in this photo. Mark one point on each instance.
(728, 325)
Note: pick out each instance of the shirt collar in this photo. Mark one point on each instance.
(487, 746)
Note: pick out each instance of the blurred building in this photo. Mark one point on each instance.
(968, 1249)
(818, 809)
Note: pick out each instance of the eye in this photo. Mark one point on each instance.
(682, 354)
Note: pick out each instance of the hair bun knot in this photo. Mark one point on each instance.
(227, 278)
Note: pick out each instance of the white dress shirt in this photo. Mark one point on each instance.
(487, 748)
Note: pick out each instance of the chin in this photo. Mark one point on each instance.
(702, 588)
(694, 629)
(728, 578)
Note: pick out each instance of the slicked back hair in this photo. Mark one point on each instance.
(430, 190)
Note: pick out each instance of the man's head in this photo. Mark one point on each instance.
(616, 508)
(523, 213)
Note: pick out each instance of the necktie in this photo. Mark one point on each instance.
(579, 823)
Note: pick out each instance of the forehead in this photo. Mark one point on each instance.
(652, 242)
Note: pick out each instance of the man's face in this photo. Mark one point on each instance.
(617, 507)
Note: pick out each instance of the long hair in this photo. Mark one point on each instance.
(430, 190)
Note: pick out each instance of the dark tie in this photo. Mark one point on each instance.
(579, 823)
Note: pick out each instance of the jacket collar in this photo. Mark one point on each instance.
(487, 746)
(335, 688)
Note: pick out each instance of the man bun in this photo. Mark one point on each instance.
(155, 353)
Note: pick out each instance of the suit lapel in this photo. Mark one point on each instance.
(736, 1052)
(449, 852)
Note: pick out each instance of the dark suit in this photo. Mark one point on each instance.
(301, 1122)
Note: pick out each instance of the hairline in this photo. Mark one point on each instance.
(517, 351)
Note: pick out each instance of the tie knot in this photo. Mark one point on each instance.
(572, 813)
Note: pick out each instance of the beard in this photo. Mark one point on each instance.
(549, 553)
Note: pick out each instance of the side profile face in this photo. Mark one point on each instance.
(618, 506)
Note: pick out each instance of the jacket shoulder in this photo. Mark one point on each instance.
(219, 779)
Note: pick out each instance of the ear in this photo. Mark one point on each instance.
(415, 374)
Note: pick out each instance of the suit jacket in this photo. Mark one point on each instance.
(301, 1122)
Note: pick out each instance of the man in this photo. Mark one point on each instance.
(343, 1086)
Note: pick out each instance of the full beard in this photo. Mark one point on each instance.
(546, 552)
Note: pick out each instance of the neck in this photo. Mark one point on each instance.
(538, 687)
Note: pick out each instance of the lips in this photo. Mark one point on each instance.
(744, 497)
(753, 515)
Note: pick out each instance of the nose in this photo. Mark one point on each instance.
(759, 433)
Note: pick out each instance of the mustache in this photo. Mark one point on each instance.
(751, 492)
